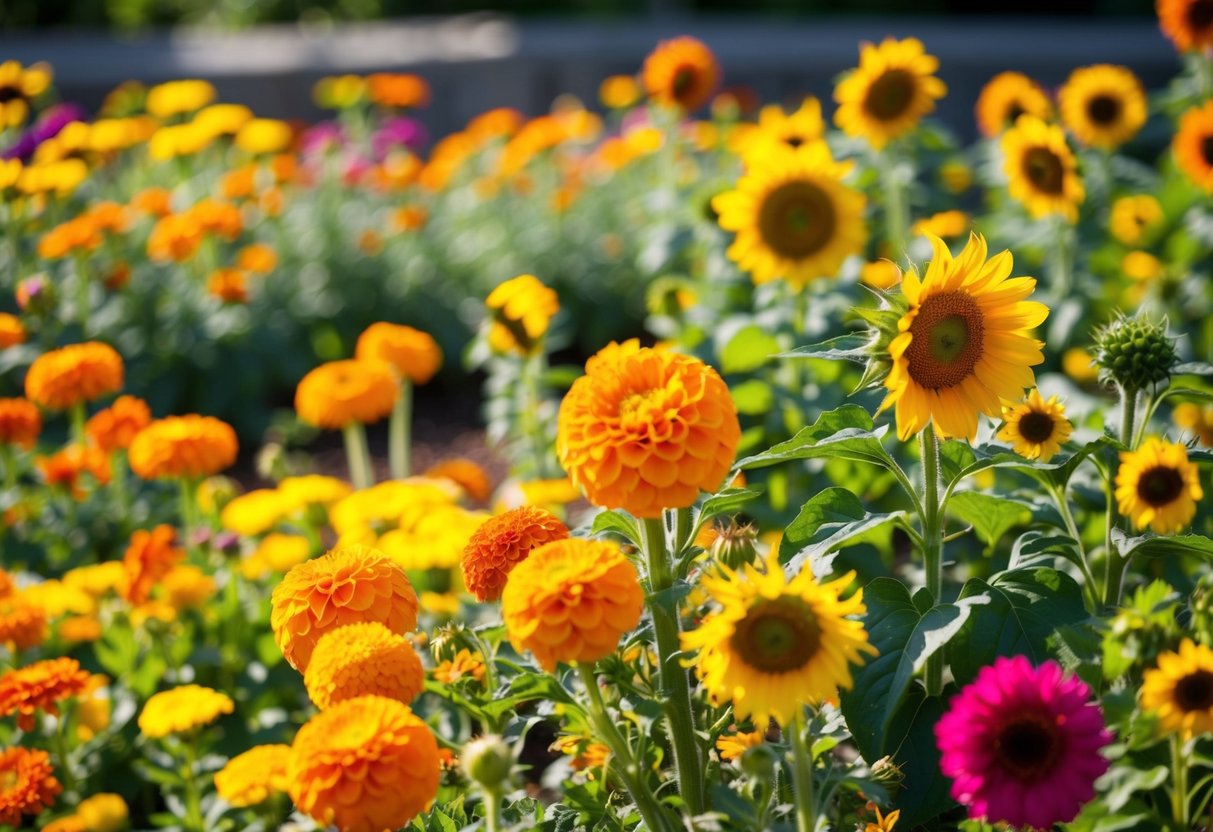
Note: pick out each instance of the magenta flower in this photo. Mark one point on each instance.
(1021, 744)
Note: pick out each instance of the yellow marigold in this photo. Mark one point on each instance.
(155, 610)
(465, 473)
(1079, 365)
(104, 812)
(297, 493)
(618, 92)
(20, 423)
(520, 309)
(571, 601)
(682, 73)
(176, 97)
(1193, 145)
(264, 135)
(349, 585)
(1158, 486)
(67, 823)
(22, 623)
(27, 784)
(414, 354)
(502, 543)
(276, 553)
(365, 765)
(364, 659)
(97, 579)
(253, 513)
(1142, 266)
(223, 119)
(79, 629)
(114, 427)
(463, 664)
(359, 517)
(257, 258)
(1188, 23)
(182, 709)
(183, 446)
(431, 537)
(342, 392)
(148, 558)
(71, 375)
(40, 686)
(188, 587)
(93, 709)
(252, 777)
(12, 331)
(57, 598)
(647, 429)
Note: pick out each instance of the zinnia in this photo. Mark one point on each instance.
(78, 373)
(361, 660)
(40, 687)
(20, 423)
(115, 427)
(150, 556)
(501, 543)
(250, 778)
(414, 354)
(341, 392)
(183, 446)
(27, 784)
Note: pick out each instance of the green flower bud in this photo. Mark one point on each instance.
(760, 762)
(487, 761)
(1135, 353)
(735, 545)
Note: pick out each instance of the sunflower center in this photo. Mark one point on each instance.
(1044, 170)
(793, 141)
(1014, 111)
(1036, 427)
(1104, 109)
(1194, 692)
(1028, 746)
(1200, 14)
(779, 635)
(890, 95)
(797, 220)
(946, 340)
(1206, 149)
(9, 93)
(684, 81)
(1160, 485)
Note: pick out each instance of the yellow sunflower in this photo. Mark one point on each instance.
(1180, 690)
(1041, 169)
(891, 90)
(965, 344)
(793, 217)
(804, 126)
(1193, 145)
(1036, 428)
(1157, 486)
(773, 645)
(1006, 97)
(681, 73)
(1103, 105)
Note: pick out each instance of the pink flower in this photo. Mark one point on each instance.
(1022, 744)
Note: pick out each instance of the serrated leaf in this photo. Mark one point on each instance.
(615, 522)
(850, 347)
(728, 501)
(1154, 546)
(846, 433)
(528, 687)
(825, 523)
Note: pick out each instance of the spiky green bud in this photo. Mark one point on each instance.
(1135, 353)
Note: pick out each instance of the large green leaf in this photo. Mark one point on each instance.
(748, 350)
(1057, 472)
(991, 517)
(850, 347)
(924, 792)
(1155, 546)
(830, 519)
(846, 433)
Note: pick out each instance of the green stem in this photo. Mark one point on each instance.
(64, 772)
(932, 548)
(1179, 784)
(193, 820)
(802, 775)
(357, 455)
(1116, 565)
(895, 208)
(1063, 260)
(1128, 414)
(189, 509)
(82, 300)
(79, 419)
(492, 810)
(122, 497)
(400, 430)
(1090, 591)
(672, 676)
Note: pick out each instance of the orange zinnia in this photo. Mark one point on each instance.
(465, 473)
(20, 423)
(362, 660)
(503, 542)
(27, 784)
(40, 686)
(341, 392)
(22, 624)
(66, 466)
(150, 556)
(398, 89)
(681, 72)
(415, 354)
(12, 331)
(183, 446)
(115, 427)
(72, 375)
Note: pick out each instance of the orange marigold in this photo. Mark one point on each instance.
(155, 201)
(466, 474)
(681, 72)
(20, 423)
(12, 331)
(228, 285)
(365, 765)
(362, 660)
(27, 784)
(148, 558)
(464, 663)
(65, 468)
(349, 585)
(415, 354)
(257, 258)
(40, 686)
(115, 427)
(22, 623)
(183, 446)
(571, 601)
(71, 375)
(503, 542)
(175, 238)
(220, 218)
(250, 778)
(340, 392)
(646, 429)
(398, 89)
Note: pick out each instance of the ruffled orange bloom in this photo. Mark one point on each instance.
(410, 218)
(681, 72)
(239, 183)
(39, 687)
(349, 585)
(228, 285)
(414, 354)
(71, 375)
(503, 542)
(464, 663)
(148, 558)
(365, 765)
(571, 601)
(257, 258)
(115, 427)
(220, 218)
(183, 446)
(363, 660)
(174, 238)
(158, 202)
(78, 235)
(465, 473)
(20, 423)
(340, 392)
(252, 777)
(647, 429)
(12, 331)
(398, 89)
(66, 466)
(1188, 23)
(27, 784)
(22, 624)
(111, 217)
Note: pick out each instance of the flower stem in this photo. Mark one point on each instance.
(802, 771)
(932, 545)
(189, 509)
(895, 208)
(675, 689)
(492, 810)
(1090, 591)
(357, 455)
(1179, 784)
(193, 820)
(1114, 576)
(78, 417)
(1063, 260)
(400, 430)
(61, 750)
(82, 300)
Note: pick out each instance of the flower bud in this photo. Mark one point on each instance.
(487, 761)
(734, 545)
(1135, 353)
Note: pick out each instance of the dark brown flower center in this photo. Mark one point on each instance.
(1160, 486)
(796, 220)
(1206, 149)
(1028, 746)
(9, 93)
(946, 340)
(1194, 692)
(890, 95)
(1035, 426)
(1044, 170)
(1104, 110)
(793, 141)
(778, 635)
(1014, 111)
(685, 79)
(1200, 14)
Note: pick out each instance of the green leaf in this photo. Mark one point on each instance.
(924, 794)
(954, 457)
(991, 517)
(1037, 548)
(615, 522)
(1057, 472)
(1117, 787)
(1193, 368)
(1154, 546)
(748, 350)
(729, 501)
(825, 523)
(753, 397)
(850, 347)
(846, 433)
(528, 687)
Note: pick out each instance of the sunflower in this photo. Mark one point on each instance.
(773, 644)
(964, 346)
(1103, 105)
(1188, 23)
(19, 86)
(1006, 97)
(1036, 428)
(1193, 145)
(1157, 486)
(891, 90)
(793, 217)
(1180, 690)
(804, 126)
(682, 73)
(1042, 169)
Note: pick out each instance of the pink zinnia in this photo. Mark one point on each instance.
(1021, 744)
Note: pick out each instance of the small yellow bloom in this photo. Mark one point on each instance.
(182, 709)
(1179, 691)
(1142, 266)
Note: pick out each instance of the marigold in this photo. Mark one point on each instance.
(188, 587)
(66, 467)
(264, 135)
(257, 258)
(57, 598)
(342, 392)
(276, 553)
(104, 812)
(502, 543)
(114, 427)
(397, 89)
(297, 493)
(174, 238)
(40, 686)
(414, 354)
(182, 709)
(176, 97)
(27, 784)
(22, 623)
(20, 423)
(183, 446)
(464, 664)
(97, 579)
(253, 513)
(148, 558)
(364, 659)
(647, 429)
(681, 72)
(158, 202)
(228, 285)
(72, 375)
(465, 473)
(12, 331)
(1158, 486)
(252, 777)
(520, 309)
(349, 585)
(571, 601)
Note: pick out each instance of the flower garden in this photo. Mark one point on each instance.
(834, 474)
